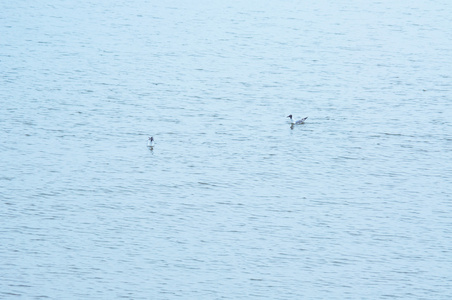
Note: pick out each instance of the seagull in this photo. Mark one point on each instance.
(151, 142)
(292, 121)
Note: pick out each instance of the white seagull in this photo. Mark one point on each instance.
(293, 122)
(151, 142)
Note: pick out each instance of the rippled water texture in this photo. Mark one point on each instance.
(231, 203)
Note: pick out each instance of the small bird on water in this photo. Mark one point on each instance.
(151, 142)
(293, 122)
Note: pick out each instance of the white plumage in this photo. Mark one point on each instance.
(293, 122)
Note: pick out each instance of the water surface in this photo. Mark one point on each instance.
(231, 203)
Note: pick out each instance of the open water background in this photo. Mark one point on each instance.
(232, 203)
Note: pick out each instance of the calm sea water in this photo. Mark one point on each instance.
(231, 203)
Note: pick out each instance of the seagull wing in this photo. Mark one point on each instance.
(301, 121)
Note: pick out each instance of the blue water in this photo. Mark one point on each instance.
(232, 203)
